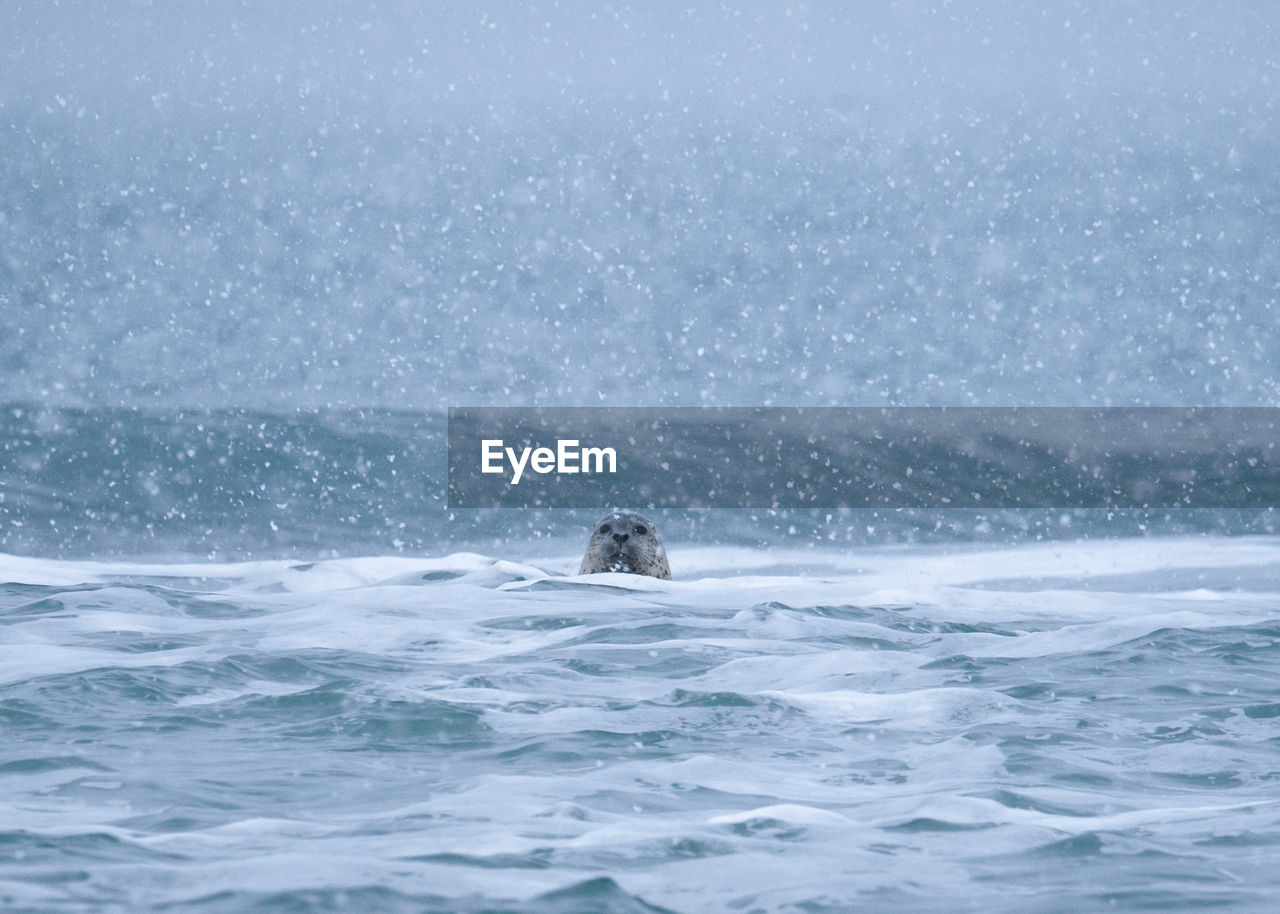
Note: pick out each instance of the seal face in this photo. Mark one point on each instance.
(622, 541)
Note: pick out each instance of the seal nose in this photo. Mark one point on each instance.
(620, 538)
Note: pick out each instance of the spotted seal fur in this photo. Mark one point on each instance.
(627, 542)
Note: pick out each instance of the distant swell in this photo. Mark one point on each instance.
(229, 484)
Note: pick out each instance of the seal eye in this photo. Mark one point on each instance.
(641, 530)
(604, 528)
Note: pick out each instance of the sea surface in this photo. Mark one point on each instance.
(1069, 725)
(251, 659)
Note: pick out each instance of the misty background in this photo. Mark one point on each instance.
(250, 253)
(408, 205)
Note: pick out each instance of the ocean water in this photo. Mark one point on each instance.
(252, 660)
(1039, 727)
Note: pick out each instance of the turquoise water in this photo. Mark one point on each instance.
(237, 484)
(1040, 727)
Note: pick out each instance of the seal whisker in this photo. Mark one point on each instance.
(626, 542)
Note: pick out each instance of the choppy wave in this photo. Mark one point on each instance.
(1021, 728)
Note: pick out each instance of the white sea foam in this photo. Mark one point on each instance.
(848, 726)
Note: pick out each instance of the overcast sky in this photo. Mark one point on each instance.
(419, 57)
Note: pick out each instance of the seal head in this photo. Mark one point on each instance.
(622, 541)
